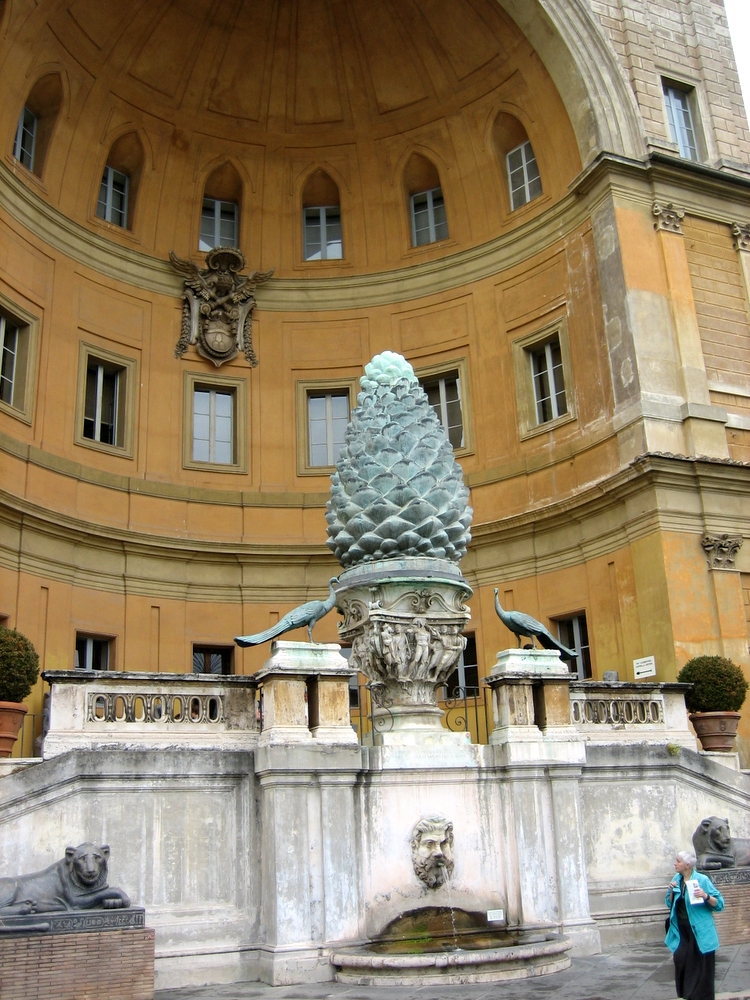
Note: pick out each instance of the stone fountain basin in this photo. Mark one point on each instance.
(419, 948)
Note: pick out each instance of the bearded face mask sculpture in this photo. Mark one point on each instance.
(432, 851)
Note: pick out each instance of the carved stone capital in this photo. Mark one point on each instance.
(721, 550)
(741, 234)
(668, 218)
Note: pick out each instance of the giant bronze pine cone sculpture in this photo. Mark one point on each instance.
(398, 490)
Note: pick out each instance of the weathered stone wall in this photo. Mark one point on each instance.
(721, 303)
(686, 41)
(639, 807)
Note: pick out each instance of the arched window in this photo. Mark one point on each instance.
(429, 222)
(220, 212)
(36, 122)
(516, 154)
(119, 187)
(321, 218)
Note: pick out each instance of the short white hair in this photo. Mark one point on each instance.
(687, 857)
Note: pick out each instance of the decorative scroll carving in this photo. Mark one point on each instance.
(668, 218)
(721, 550)
(432, 851)
(76, 882)
(217, 313)
(741, 233)
(616, 711)
(118, 706)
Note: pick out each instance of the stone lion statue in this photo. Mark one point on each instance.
(432, 851)
(76, 882)
(716, 848)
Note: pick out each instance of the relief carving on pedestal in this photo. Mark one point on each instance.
(217, 312)
(432, 851)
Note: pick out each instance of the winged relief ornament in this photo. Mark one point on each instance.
(217, 311)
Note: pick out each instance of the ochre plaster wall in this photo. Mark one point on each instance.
(568, 519)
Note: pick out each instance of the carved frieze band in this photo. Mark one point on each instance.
(668, 218)
(721, 549)
(741, 234)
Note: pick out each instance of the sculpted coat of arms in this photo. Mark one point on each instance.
(217, 312)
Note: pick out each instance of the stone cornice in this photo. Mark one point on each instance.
(602, 518)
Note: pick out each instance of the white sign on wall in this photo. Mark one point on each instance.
(644, 667)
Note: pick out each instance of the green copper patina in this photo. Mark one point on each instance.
(397, 491)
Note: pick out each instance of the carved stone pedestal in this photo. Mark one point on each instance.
(305, 694)
(531, 706)
(404, 618)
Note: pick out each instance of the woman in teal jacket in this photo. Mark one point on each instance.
(691, 932)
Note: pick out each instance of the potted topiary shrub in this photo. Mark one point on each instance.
(719, 689)
(19, 669)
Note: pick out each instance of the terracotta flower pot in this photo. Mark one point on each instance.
(11, 720)
(716, 730)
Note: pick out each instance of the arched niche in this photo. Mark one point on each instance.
(44, 102)
(420, 174)
(320, 189)
(225, 184)
(126, 155)
(584, 67)
(425, 201)
(322, 229)
(509, 135)
(220, 208)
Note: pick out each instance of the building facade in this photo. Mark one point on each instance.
(545, 206)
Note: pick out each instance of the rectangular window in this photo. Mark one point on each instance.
(549, 382)
(680, 119)
(574, 634)
(23, 147)
(444, 395)
(213, 425)
(464, 681)
(323, 233)
(106, 400)
(429, 222)
(212, 659)
(8, 360)
(113, 197)
(327, 418)
(18, 340)
(523, 175)
(218, 224)
(92, 653)
(102, 415)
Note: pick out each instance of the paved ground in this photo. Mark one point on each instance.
(637, 973)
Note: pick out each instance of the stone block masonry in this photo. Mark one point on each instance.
(118, 965)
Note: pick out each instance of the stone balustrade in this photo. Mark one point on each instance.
(625, 712)
(132, 710)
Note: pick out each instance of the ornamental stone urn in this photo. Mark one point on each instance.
(398, 522)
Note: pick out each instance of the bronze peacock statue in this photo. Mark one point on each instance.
(308, 614)
(524, 625)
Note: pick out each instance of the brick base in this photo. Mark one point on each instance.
(733, 923)
(100, 965)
